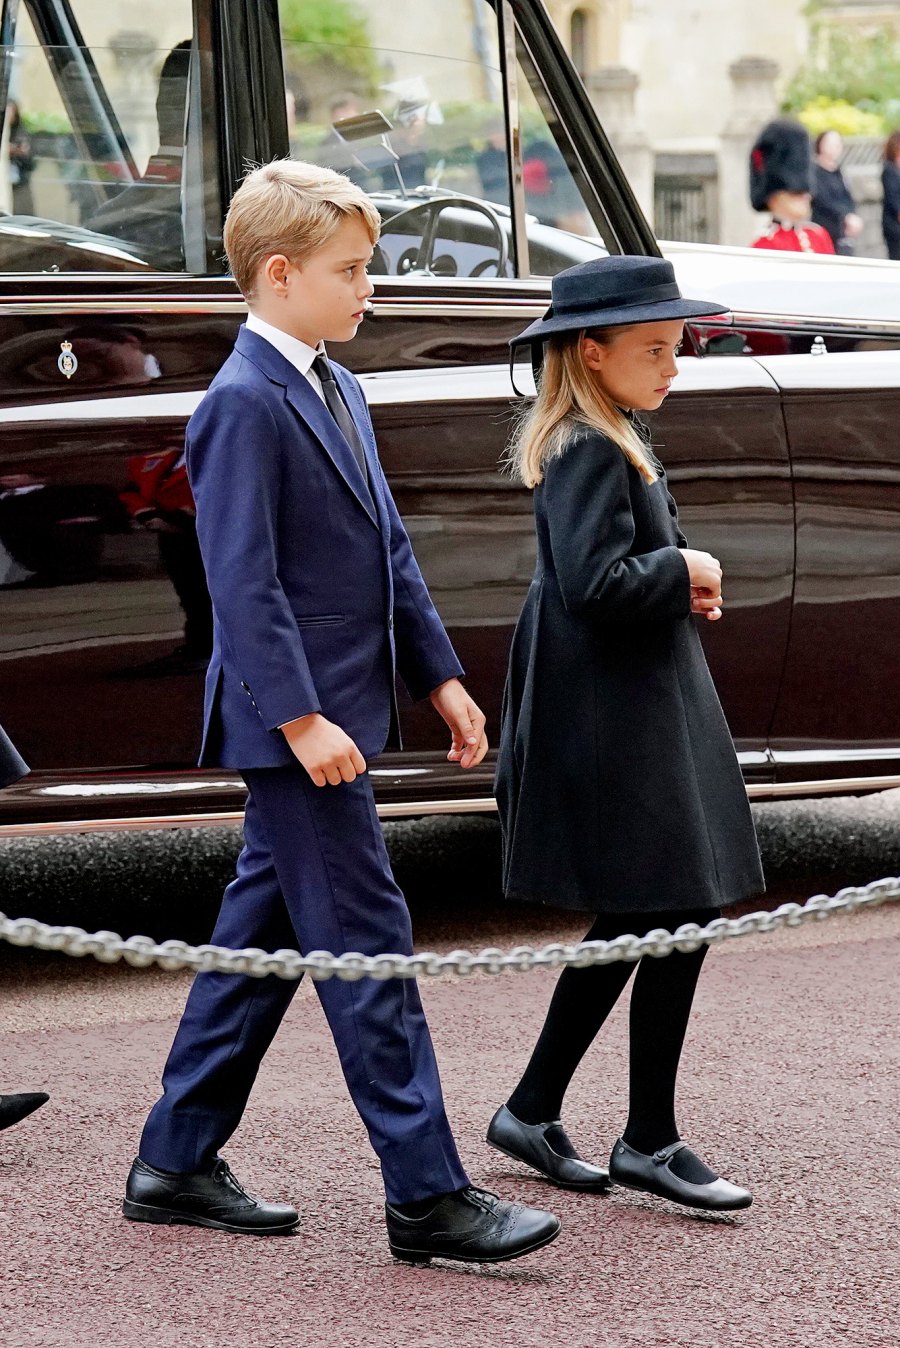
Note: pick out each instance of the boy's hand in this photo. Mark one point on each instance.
(328, 754)
(466, 722)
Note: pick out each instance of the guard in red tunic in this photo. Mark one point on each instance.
(781, 183)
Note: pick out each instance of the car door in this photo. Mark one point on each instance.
(838, 713)
(114, 316)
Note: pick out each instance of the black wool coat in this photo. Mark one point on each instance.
(12, 764)
(617, 782)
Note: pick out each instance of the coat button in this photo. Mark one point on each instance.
(390, 620)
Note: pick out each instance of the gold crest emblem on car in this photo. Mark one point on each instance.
(67, 360)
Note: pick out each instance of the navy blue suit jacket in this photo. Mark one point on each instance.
(317, 597)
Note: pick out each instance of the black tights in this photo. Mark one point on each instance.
(660, 1006)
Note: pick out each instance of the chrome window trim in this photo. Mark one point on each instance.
(525, 299)
(849, 327)
(414, 809)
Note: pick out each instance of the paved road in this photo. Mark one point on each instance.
(789, 1086)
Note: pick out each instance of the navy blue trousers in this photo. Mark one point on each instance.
(314, 873)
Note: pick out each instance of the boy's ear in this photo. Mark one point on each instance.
(274, 272)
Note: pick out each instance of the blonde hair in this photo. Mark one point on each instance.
(570, 395)
(289, 207)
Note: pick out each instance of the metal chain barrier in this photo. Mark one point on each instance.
(109, 947)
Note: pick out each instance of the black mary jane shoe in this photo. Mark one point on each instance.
(527, 1142)
(211, 1198)
(471, 1225)
(653, 1175)
(15, 1108)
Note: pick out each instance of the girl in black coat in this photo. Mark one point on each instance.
(617, 784)
(13, 1108)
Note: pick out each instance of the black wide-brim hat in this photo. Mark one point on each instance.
(609, 292)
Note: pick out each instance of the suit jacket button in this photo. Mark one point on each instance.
(390, 620)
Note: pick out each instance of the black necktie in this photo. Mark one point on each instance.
(338, 409)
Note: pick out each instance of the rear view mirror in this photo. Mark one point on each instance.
(363, 125)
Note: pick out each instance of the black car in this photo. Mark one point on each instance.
(483, 153)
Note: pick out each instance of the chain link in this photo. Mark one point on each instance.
(141, 951)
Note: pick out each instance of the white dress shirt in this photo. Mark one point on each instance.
(298, 353)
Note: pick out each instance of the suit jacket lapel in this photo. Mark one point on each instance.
(313, 412)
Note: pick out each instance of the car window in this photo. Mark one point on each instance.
(100, 136)
(561, 224)
(408, 101)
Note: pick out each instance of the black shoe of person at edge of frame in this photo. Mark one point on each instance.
(528, 1143)
(213, 1198)
(471, 1225)
(653, 1175)
(15, 1108)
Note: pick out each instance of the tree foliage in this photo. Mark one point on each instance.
(852, 65)
(321, 29)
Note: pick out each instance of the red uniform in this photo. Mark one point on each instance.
(795, 238)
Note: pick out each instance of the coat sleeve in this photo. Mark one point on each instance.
(588, 506)
(234, 471)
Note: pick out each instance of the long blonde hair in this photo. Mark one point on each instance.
(570, 395)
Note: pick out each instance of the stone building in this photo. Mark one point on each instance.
(683, 86)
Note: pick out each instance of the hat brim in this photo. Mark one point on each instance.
(616, 318)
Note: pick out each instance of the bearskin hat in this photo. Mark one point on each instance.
(780, 161)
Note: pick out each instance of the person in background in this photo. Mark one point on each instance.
(21, 162)
(14, 1108)
(781, 183)
(833, 206)
(890, 182)
(336, 153)
(492, 163)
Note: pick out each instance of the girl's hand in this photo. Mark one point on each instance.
(706, 583)
(703, 603)
(704, 570)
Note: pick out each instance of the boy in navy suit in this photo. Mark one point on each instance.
(317, 600)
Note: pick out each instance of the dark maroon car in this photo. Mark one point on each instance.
(491, 173)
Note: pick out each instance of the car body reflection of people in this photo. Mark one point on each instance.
(14, 1108)
(113, 353)
(833, 206)
(890, 183)
(781, 183)
(54, 531)
(158, 498)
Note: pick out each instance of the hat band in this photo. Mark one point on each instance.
(624, 300)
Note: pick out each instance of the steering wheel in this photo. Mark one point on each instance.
(422, 263)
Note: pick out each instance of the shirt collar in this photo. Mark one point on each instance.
(298, 353)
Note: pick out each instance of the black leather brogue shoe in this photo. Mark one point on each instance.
(14, 1108)
(529, 1143)
(213, 1199)
(471, 1225)
(653, 1175)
